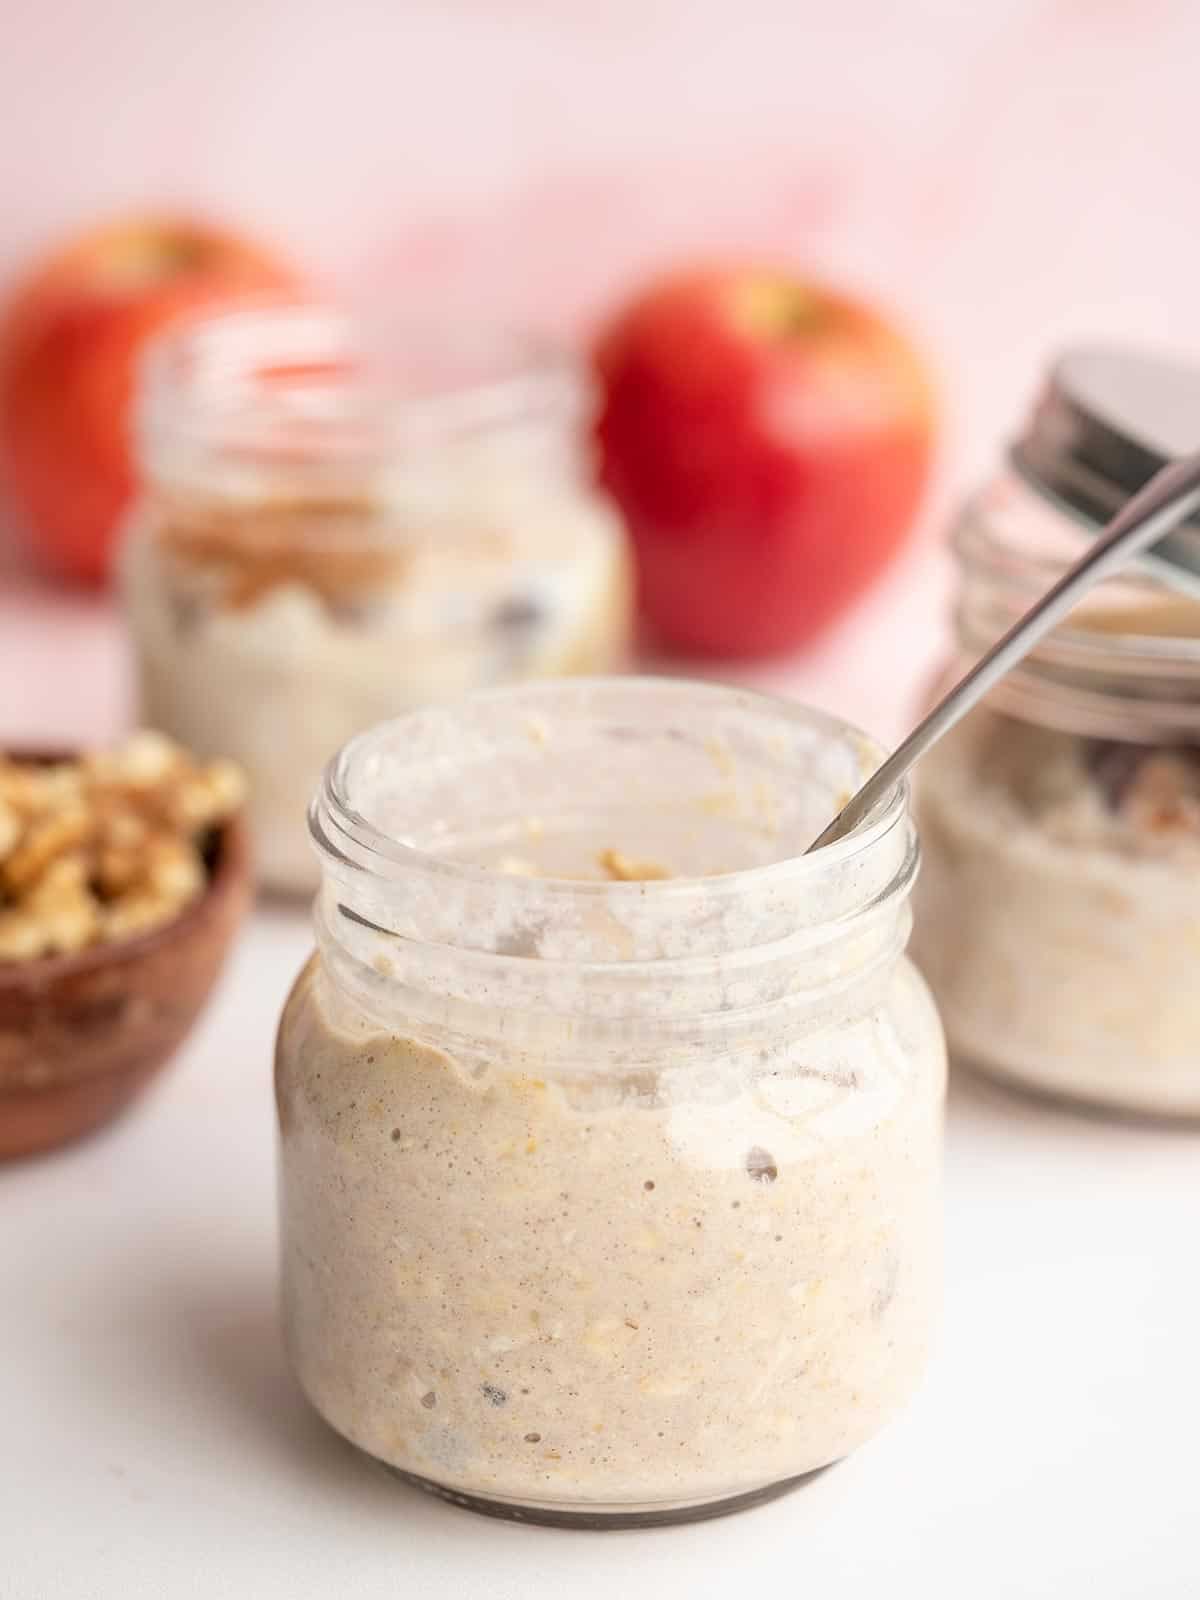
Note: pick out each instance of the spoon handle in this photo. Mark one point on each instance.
(1171, 494)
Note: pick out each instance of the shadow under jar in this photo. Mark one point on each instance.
(610, 1123)
(1058, 912)
(334, 529)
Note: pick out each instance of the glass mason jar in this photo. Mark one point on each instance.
(329, 535)
(1058, 912)
(610, 1123)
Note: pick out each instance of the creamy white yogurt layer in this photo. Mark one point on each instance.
(280, 684)
(1057, 917)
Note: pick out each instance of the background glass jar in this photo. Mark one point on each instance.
(608, 1196)
(1058, 913)
(331, 534)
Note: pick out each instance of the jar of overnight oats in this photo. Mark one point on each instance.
(610, 1122)
(335, 528)
(1058, 913)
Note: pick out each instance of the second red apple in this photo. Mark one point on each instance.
(768, 442)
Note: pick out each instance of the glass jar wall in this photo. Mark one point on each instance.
(610, 1122)
(330, 535)
(1058, 913)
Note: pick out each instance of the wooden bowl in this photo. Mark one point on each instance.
(81, 1035)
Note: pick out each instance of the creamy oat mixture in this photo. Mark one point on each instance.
(1058, 910)
(563, 1292)
(273, 633)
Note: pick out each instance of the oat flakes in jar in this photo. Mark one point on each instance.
(1058, 912)
(610, 1122)
(330, 534)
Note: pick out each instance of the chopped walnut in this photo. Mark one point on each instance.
(1163, 795)
(21, 937)
(107, 846)
(43, 841)
(10, 828)
(622, 869)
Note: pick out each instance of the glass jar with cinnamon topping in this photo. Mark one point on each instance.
(329, 535)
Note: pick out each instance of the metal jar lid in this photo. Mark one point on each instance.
(1105, 422)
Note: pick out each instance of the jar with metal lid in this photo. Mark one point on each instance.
(333, 530)
(1058, 915)
(610, 1121)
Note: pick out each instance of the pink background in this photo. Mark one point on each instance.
(1008, 175)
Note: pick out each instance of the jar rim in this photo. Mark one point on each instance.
(418, 931)
(1096, 674)
(331, 808)
(983, 550)
(275, 365)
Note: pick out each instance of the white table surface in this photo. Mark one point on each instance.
(153, 1446)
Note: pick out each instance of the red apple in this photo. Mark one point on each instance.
(768, 442)
(70, 339)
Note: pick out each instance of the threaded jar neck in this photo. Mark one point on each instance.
(1126, 663)
(469, 854)
(299, 402)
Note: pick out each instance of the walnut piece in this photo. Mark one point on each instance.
(1163, 795)
(622, 869)
(107, 846)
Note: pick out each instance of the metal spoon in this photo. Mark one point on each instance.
(1170, 496)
